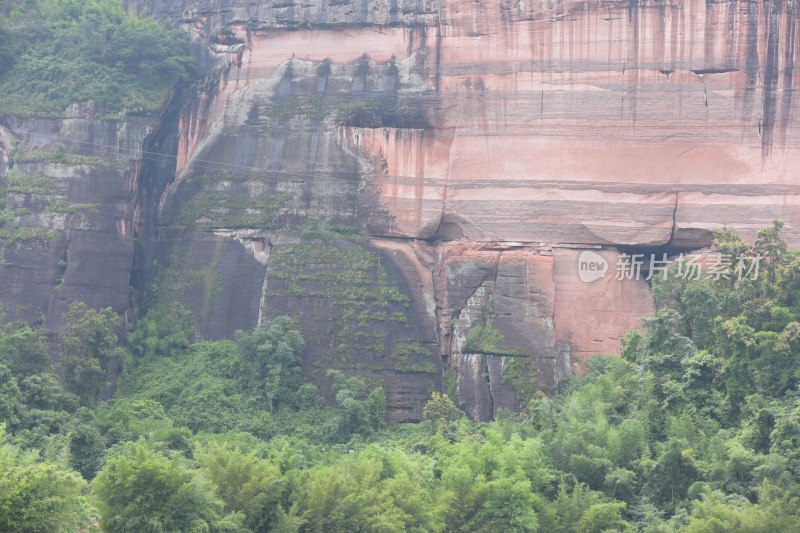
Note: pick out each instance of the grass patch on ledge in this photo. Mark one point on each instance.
(62, 157)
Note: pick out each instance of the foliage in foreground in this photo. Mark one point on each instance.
(696, 428)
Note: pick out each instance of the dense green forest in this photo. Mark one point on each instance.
(695, 428)
(56, 52)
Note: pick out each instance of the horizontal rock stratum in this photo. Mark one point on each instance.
(417, 179)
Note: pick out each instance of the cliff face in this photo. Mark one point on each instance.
(416, 180)
(70, 187)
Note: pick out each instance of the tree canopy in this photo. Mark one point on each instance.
(56, 52)
(695, 428)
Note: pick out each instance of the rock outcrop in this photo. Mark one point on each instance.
(70, 189)
(416, 180)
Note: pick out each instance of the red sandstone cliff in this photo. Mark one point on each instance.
(508, 135)
(481, 146)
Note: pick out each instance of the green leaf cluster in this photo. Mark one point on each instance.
(56, 52)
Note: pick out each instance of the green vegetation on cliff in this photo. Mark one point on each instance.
(696, 428)
(56, 52)
(368, 315)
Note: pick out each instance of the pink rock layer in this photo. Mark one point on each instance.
(531, 131)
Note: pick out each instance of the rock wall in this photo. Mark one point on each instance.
(416, 180)
(70, 190)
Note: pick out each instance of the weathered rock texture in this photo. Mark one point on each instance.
(416, 179)
(70, 189)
